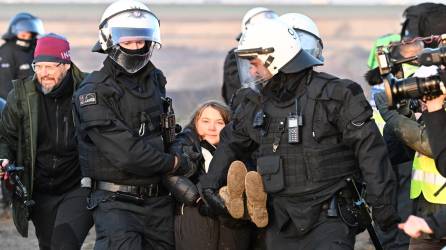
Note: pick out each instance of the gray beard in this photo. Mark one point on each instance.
(46, 91)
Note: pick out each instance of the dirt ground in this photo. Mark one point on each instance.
(195, 40)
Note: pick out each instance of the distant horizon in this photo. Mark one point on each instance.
(236, 2)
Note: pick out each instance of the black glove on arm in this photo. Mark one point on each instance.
(182, 189)
(386, 217)
(185, 166)
(214, 201)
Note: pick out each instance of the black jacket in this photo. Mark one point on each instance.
(15, 63)
(348, 113)
(109, 106)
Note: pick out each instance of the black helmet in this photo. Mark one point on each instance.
(23, 22)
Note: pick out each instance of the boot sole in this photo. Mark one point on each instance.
(235, 188)
(256, 199)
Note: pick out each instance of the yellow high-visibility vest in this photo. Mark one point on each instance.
(378, 120)
(427, 180)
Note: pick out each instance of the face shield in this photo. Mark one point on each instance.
(310, 44)
(253, 73)
(28, 25)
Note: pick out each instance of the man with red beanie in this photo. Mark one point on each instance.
(37, 132)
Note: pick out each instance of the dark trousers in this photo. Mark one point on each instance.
(124, 225)
(194, 231)
(330, 234)
(62, 221)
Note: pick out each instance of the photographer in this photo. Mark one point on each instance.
(435, 118)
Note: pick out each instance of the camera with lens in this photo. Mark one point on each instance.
(425, 88)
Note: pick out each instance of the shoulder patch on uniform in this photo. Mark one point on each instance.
(87, 99)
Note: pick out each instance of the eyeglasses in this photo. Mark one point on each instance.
(49, 68)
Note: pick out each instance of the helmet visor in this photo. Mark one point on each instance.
(29, 25)
(133, 26)
(310, 44)
(251, 75)
(125, 34)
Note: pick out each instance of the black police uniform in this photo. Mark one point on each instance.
(15, 63)
(338, 140)
(121, 149)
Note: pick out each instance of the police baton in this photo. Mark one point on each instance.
(365, 214)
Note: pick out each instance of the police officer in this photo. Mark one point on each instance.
(16, 54)
(311, 131)
(121, 149)
(231, 81)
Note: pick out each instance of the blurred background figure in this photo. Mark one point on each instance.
(16, 56)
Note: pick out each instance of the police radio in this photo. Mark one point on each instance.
(295, 121)
(293, 128)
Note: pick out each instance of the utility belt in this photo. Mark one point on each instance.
(132, 194)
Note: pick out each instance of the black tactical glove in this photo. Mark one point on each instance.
(205, 210)
(184, 167)
(215, 203)
(386, 217)
(182, 189)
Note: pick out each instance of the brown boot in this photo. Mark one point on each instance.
(235, 188)
(256, 199)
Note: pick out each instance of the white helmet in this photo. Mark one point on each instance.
(277, 45)
(256, 14)
(308, 32)
(128, 20)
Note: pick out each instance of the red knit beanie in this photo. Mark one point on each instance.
(52, 48)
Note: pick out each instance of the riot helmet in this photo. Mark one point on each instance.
(308, 33)
(275, 45)
(24, 22)
(254, 15)
(126, 21)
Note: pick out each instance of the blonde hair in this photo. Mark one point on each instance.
(221, 108)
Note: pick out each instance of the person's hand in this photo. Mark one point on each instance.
(3, 165)
(415, 226)
(435, 104)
